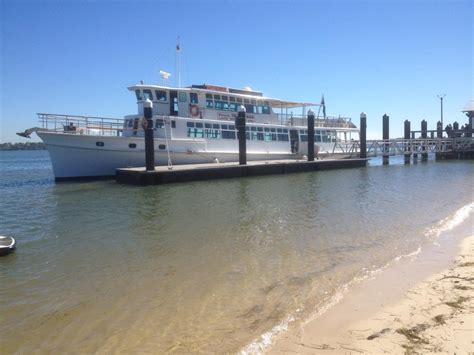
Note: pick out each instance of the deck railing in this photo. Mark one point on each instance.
(73, 124)
(329, 121)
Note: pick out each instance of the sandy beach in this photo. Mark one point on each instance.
(396, 314)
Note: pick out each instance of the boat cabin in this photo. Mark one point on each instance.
(215, 103)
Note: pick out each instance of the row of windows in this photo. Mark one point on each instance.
(233, 106)
(160, 95)
(238, 100)
(159, 123)
(218, 102)
(267, 134)
(210, 130)
(319, 136)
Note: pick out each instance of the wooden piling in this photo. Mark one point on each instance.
(310, 135)
(240, 124)
(439, 129)
(149, 135)
(424, 134)
(385, 136)
(407, 145)
(363, 136)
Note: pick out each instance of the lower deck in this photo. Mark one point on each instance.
(196, 172)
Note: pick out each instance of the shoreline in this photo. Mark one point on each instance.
(423, 304)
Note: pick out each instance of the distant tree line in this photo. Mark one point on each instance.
(23, 146)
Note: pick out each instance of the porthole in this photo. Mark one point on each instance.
(99, 144)
(132, 145)
(162, 146)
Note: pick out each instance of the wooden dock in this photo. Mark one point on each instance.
(184, 173)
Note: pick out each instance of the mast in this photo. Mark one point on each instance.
(178, 66)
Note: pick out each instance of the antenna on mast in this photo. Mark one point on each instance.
(178, 66)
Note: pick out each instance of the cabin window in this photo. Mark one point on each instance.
(317, 136)
(160, 95)
(99, 144)
(193, 98)
(282, 136)
(232, 99)
(326, 136)
(161, 146)
(270, 134)
(183, 97)
(228, 135)
(217, 97)
(208, 96)
(129, 123)
(225, 106)
(253, 102)
(209, 103)
(132, 145)
(207, 125)
(259, 109)
(303, 135)
(224, 98)
(228, 131)
(219, 105)
(159, 123)
(239, 100)
(138, 93)
(213, 133)
(246, 101)
(233, 107)
(250, 108)
(266, 110)
(196, 132)
(147, 95)
(173, 124)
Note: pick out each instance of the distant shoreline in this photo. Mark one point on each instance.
(23, 146)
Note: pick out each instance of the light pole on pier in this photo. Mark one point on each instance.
(441, 98)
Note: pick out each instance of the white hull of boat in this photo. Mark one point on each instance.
(78, 156)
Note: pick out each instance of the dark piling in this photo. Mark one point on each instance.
(149, 135)
(363, 136)
(240, 124)
(407, 129)
(310, 135)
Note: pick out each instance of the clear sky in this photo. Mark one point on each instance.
(392, 57)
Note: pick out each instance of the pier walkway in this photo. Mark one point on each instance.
(400, 146)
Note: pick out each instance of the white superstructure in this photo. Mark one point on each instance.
(192, 125)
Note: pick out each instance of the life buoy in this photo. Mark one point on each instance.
(194, 109)
(144, 123)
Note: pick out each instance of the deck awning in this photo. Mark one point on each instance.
(275, 103)
(469, 107)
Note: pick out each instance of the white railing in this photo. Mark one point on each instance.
(390, 147)
(73, 124)
(330, 121)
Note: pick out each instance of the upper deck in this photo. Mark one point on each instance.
(221, 103)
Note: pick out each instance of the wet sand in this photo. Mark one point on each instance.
(396, 312)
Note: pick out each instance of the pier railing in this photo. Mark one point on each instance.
(391, 147)
(73, 124)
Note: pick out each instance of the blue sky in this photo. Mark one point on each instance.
(392, 57)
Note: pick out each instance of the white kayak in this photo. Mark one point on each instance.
(7, 245)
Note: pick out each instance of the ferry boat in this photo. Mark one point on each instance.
(192, 125)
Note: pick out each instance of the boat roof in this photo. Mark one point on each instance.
(213, 89)
(469, 106)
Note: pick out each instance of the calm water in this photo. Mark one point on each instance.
(206, 266)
